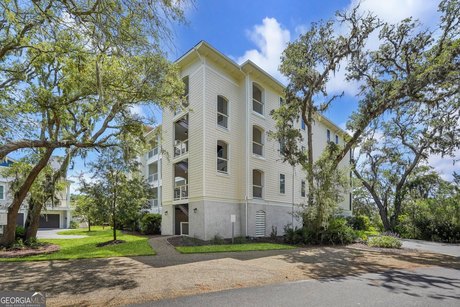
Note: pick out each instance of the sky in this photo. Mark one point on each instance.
(260, 30)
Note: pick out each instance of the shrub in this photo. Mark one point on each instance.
(359, 222)
(217, 240)
(34, 243)
(18, 244)
(74, 225)
(20, 232)
(240, 240)
(151, 224)
(338, 232)
(294, 235)
(274, 232)
(385, 241)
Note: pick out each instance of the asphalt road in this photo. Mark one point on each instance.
(433, 286)
(434, 247)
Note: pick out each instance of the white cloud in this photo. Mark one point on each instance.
(270, 39)
(138, 110)
(445, 166)
(396, 10)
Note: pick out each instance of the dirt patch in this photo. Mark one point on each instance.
(108, 243)
(44, 249)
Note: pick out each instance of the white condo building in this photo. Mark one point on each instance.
(212, 162)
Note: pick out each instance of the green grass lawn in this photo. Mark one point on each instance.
(232, 248)
(86, 247)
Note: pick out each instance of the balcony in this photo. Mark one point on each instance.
(181, 136)
(153, 177)
(181, 192)
(180, 148)
(153, 152)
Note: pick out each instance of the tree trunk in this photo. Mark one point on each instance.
(89, 225)
(8, 237)
(384, 217)
(33, 221)
(114, 209)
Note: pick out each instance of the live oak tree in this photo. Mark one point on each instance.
(394, 147)
(410, 65)
(43, 192)
(308, 63)
(71, 72)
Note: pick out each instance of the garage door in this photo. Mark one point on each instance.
(49, 221)
(20, 219)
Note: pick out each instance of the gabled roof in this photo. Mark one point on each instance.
(203, 48)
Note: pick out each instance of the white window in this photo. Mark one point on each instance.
(302, 124)
(281, 101)
(2, 192)
(257, 141)
(257, 183)
(282, 146)
(222, 111)
(257, 99)
(222, 157)
(336, 139)
(282, 183)
(302, 188)
(328, 135)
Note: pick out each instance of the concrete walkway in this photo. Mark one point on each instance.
(433, 247)
(167, 255)
(53, 234)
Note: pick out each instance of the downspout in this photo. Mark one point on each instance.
(247, 150)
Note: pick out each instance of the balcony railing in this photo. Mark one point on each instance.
(154, 203)
(181, 192)
(153, 177)
(184, 106)
(180, 148)
(153, 152)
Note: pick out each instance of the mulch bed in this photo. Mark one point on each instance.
(45, 249)
(108, 243)
(190, 241)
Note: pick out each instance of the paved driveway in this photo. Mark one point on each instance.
(421, 287)
(434, 247)
(53, 234)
